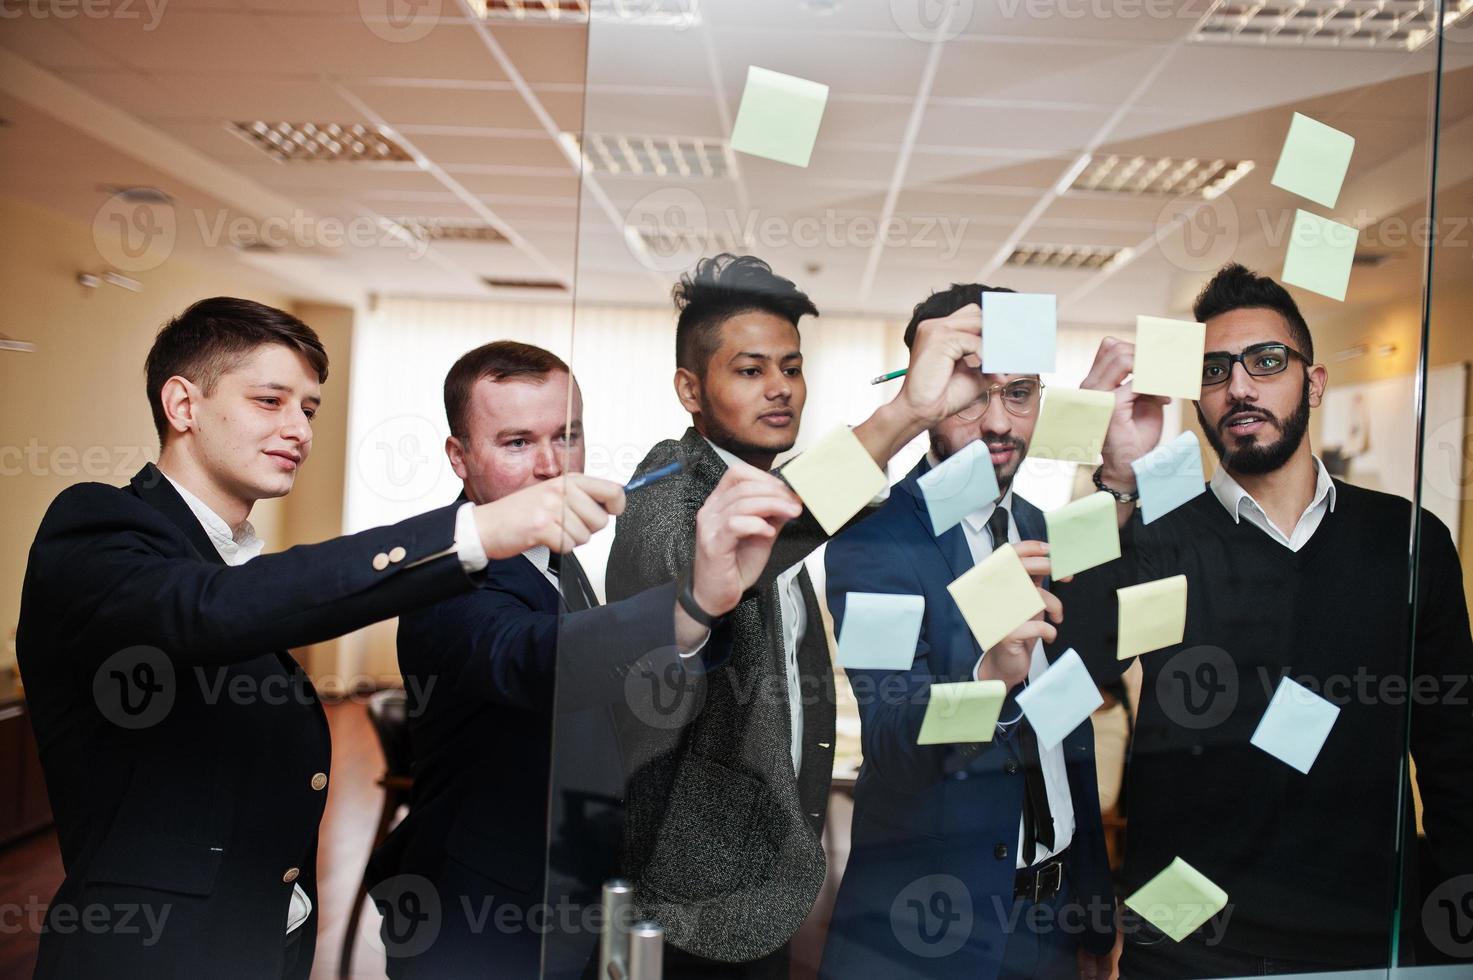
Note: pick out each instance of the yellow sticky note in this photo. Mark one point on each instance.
(1082, 534)
(1320, 255)
(835, 478)
(1178, 900)
(1072, 424)
(1152, 615)
(1168, 357)
(779, 116)
(996, 595)
(1314, 160)
(963, 712)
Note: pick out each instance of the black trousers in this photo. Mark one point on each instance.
(1196, 960)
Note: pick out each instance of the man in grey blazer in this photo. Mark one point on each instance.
(725, 810)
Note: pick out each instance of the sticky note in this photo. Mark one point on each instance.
(962, 483)
(835, 478)
(880, 630)
(996, 596)
(1152, 615)
(1082, 534)
(779, 116)
(1019, 332)
(1178, 900)
(1060, 700)
(1072, 424)
(962, 712)
(1168, 357)
(1169, 475)
(1296, 724)
(1319, 256)
(1314, 160)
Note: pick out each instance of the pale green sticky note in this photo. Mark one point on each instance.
(996, 596)
(962, 712)
(1152, 615)
(1082, 534)
(1168, 357)
(1320, 254)
(1178, 900)
(1314, 160)
(1072, 424)
(779, 116)
(835, 477)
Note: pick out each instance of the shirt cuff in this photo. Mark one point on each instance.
(468, 540)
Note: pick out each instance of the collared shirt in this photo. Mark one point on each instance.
(1055, 775)
(1240, 504)
(541, 559)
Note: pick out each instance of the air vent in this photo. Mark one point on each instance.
(1087, 257)
(672, 241)
(1369, 260)
(612, 154)
(136, 193)
(649, 13)
(331, 142)
(449, 230)
(1161, 176)
(550, 285)
(1403, 25)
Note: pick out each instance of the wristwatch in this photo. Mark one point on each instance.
(687, 600)
(1122, 497)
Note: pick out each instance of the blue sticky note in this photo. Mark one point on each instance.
(1295, 726)
(963, 482)
(1019, 332)
(1169, 475)
(880, 630)
(1060, 700)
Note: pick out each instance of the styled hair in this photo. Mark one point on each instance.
(723, 287)
(1235, 287)
(946, 302)
(212, 337)
(499, 360)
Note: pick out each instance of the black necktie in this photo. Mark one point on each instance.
(577, 595)
(1038, 819)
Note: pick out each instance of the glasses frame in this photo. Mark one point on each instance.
(986, 399)
(1241, 358)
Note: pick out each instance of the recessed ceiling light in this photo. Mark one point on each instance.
(612, 154)
(328, 142)
(448, 230)
(1403, 25)
(1088, 257)
(648, 13)
(1166, 176)
(551, 285)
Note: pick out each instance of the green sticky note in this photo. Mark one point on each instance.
(1320, 253)
(1082, 534)
(1314, 160)
(779, 116)
(1072, 424)
(996, 596)
(1178, 900)
(836, 478)
(963, 712)
(1152, 615)
(1168, 357)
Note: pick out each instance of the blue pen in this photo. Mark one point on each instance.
(652, 476)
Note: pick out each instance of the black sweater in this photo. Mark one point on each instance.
(1309, 862)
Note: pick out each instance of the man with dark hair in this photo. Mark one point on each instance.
(186, 754)
(725, 813)
(1010, 826)
(1291, 574)
(482, 667)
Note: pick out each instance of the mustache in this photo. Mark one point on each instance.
(1012, 442)
(1238, 407)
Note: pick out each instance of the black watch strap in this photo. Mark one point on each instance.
(1119, 495)
(687, 600)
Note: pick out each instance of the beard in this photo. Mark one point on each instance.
(1253, 457)
(1004, 476)
(735, 444)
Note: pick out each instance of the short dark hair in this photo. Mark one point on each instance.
(723, 287)
(212, 337)
(1237, 288)
(498, 361)
(946, 302)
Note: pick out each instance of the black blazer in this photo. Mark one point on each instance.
(186, 754)
(459, 877)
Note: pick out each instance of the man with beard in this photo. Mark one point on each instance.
(1291, 574)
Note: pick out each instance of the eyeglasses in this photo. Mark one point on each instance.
(1019, 397)
(1259, 360)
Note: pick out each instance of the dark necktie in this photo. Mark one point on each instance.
(577, 595)
(1038, 819)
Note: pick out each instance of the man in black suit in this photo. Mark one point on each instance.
(186, 754)
(461, 880)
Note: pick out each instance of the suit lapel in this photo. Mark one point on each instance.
(573, 583)
(154, 489)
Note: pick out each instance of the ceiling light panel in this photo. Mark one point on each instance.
(326, 142)
(449, 230)
(649, 13)
(1162, 176)
(615, 155)
(1083, 257)
(1403, 25)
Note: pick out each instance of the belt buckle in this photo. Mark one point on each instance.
(1057, 867)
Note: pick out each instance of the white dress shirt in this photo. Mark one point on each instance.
(541, 559)
(1055, 776)
(1240, 504)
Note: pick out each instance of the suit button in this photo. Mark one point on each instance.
(291, 875)
(1010, 767)
(319, 780)
(396, 554)
(380, 562)
(1000, 851)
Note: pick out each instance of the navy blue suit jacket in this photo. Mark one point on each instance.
(923, 811)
